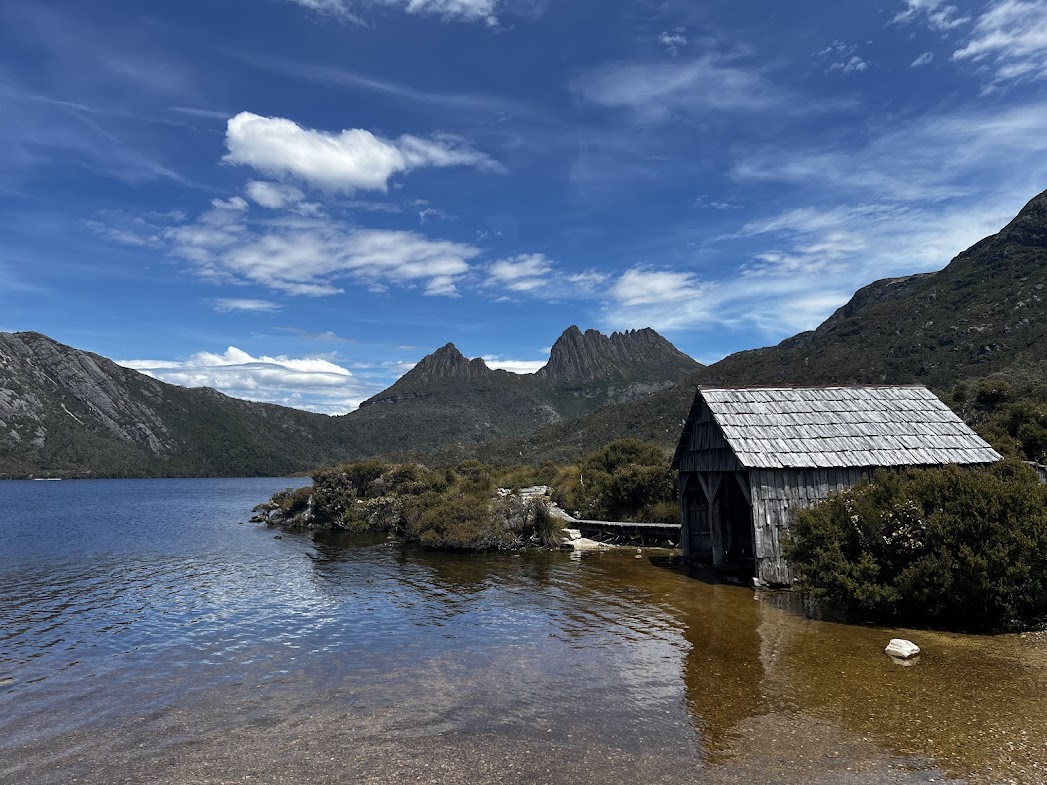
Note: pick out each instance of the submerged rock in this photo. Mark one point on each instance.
(901, 648)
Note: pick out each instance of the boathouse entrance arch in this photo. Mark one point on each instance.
(719, 525)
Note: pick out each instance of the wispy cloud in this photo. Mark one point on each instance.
(924, 59)
(840, 56)
(353, 159)
(673, 40)
(451, 10)
(479, 103)
(302, 255)
(313, 383)
(656, 91)
(933, 158)
(337, 9)
(937, 13)
(231, 304)
(1009, 40)
(536, 276)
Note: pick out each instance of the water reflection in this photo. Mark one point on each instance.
(181, 664)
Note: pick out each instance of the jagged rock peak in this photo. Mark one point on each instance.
(591, 356)
(448, 363)
(1029, 227)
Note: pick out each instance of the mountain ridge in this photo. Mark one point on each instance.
(74, 413)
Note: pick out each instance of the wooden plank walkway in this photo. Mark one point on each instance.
(629, 532)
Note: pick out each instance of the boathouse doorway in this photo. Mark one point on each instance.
(719, 522)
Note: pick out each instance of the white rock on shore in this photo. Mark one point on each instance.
(901, 648)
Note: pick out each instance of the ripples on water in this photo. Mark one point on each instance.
(148, 635)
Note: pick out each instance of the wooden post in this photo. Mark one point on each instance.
(711, 485)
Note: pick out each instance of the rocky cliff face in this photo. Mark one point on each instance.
(635, 355)
(71, 413)
(43, 381)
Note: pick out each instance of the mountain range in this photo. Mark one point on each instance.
(71, 413)
(67, 412)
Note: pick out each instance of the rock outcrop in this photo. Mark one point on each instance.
(635, 355)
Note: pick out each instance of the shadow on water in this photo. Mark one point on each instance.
(974, 705)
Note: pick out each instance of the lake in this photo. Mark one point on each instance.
(149, 635)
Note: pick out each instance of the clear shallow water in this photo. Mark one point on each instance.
(148, 635)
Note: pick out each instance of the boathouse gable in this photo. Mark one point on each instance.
(749, 457)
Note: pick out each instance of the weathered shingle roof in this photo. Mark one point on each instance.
(825, 427)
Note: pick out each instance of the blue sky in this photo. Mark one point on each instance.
(295, 200)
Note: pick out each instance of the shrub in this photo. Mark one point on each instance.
(954, 547)
(459, 522)
(626, 480)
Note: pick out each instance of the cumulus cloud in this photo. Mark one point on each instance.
(347, 161)
(312, 255)
(535, 275)
(1010, 40)
(314, 384)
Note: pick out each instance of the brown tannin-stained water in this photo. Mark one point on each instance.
(147, 636)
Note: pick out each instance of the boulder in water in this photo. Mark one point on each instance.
(901, 648)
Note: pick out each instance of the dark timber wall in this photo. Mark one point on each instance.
(776, 493)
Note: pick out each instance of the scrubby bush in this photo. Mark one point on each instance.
(454, 509)
(626, 480)
(1013, 418)
(955, 547)
(458, 522)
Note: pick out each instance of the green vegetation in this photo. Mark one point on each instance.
(951, 547)
(449, 509)
(1012, 416)
(627, 480)
(460, 509)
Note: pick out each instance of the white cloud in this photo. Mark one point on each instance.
(1009, 40)
(466, 10)
(842, 57)
(522, 273)
(924, 59)
(311, 255)
(273, 195)
(672, 40)
(644, 286)
(938, 15)
(854, 64)
(137, 235)
(934, 158)
(535, 275)
(315, 384)
(336, 8)
(451, 10)
(353, 159)
(654, 92)
(227, 304)
(670, 300)
(514, 366)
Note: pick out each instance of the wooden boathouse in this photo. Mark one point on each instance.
(748, 457)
